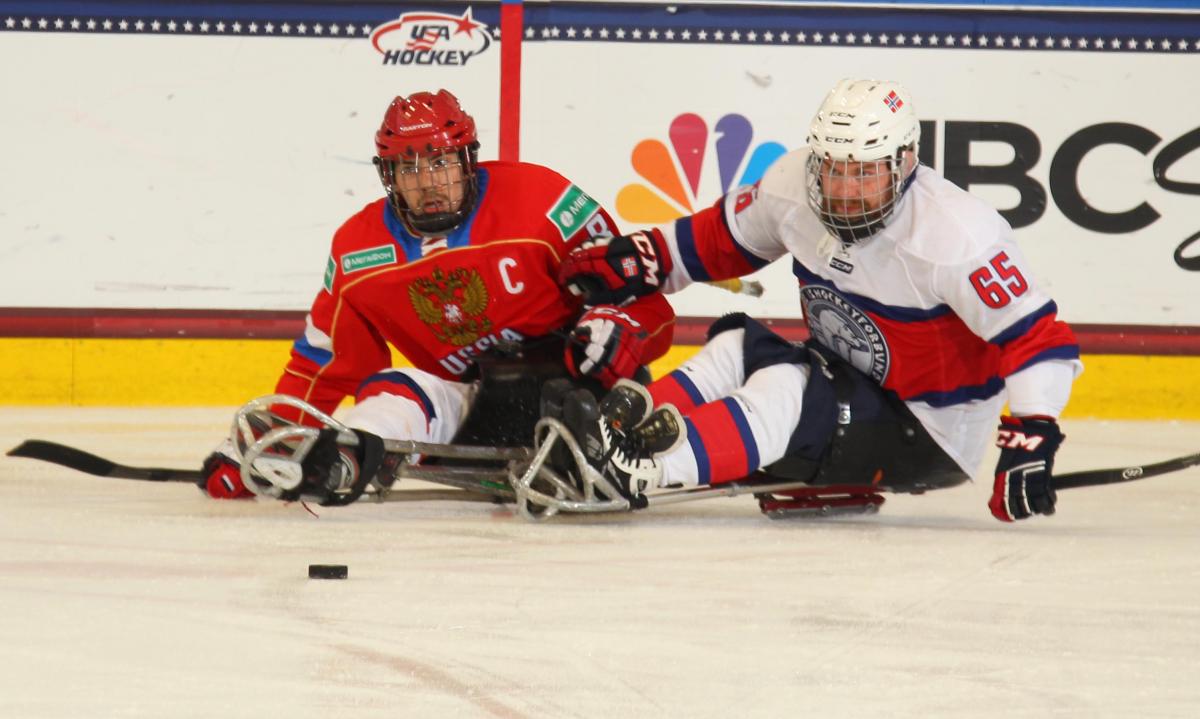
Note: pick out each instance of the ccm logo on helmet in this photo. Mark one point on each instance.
(431, 38)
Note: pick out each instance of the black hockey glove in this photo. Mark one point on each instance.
(616, 270)
(1023, 487)
(335, 474)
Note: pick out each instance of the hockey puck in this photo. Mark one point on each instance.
(328, 571)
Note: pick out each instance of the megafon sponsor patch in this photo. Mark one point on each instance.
(368, 258)
(431, 38)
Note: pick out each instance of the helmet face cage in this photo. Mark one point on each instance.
(426, 153)
(863, 143)
(445, 178)
(854, 199)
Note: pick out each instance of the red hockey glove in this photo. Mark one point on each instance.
(1023, 488)
(223, 478)
(615, 270)
(606, 344)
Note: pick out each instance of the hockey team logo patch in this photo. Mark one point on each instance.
(673, 174)
(368, 258)
(453, 304)
(431, 38)
(847, 330)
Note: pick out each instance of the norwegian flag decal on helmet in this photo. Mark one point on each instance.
(893, 101)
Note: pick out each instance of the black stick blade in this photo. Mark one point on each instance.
(89, 463)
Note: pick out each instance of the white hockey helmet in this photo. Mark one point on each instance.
(864, 127)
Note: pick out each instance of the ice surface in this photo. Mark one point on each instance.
(137, 599)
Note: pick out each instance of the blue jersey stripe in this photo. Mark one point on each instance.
(316, 355)
(703, 468)
(412, 245)
(1063, 352)
(399, 378)
(1023, 325)
(689, 387)
(890, 312)
(686, 242)
(993, 385)
(971, 393)
(462, 234)
(747, 437)
(752, 259)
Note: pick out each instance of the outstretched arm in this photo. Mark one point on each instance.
(997, 296)
(740, 233)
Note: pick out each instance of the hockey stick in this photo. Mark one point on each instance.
(1070, 480)
(1096, 477)
(88, 463)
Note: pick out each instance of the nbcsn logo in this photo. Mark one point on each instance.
(673, 173)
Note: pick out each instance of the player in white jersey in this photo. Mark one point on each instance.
(923, 314)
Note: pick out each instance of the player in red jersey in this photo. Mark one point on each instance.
(459, 261)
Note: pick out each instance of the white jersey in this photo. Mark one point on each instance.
(938, 306)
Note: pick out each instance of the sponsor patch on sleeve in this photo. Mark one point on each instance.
(572, 209)
(330, 271)
(368, 258)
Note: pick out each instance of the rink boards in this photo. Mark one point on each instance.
(155, 371)
(193, 156)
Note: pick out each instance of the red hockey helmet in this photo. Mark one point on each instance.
(426, 154)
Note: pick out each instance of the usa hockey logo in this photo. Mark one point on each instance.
(672, 175)
(847, 330)
(431, 38)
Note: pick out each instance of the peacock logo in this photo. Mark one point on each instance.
(673, 173)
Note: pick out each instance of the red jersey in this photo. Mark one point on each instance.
(442, 302)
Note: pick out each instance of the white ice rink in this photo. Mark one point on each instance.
(136, 599)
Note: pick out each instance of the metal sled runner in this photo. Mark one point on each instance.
(335, 465)
(278, 460)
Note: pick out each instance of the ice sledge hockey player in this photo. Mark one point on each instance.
(458, 262)
(924, 316)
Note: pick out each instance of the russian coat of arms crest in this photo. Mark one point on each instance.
(452, 304)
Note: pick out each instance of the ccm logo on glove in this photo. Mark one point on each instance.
(1009, 439)
(615, 270)
(1023, 485)
(649, 258)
